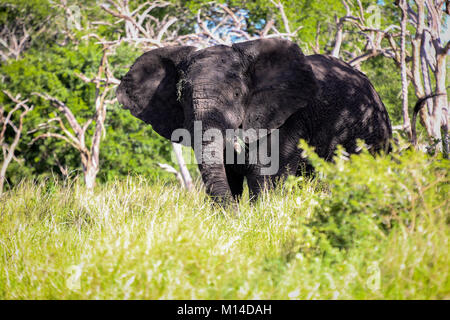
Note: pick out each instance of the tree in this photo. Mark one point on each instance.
(5, 121)
(90, 156)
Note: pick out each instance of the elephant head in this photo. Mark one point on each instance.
(255, 84)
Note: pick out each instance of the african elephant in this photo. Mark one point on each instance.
(260, 84)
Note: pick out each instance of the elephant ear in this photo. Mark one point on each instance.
(281, 82)
(151, 86)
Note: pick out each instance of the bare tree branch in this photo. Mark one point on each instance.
(5, 121)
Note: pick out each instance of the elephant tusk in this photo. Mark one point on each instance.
(237, 146)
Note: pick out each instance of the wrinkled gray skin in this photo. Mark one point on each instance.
(265, 83)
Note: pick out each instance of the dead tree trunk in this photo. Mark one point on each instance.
(187, 180)
(440, 115)
(5, 121)
(405, 111)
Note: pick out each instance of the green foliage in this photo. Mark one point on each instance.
(33, 15)
(368, 196)
(33, 12)
(131, 147)
(367, 228)
(52, 72)
(385, 77)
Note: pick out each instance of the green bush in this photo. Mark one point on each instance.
(368, 196)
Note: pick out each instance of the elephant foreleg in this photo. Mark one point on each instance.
(235, 181)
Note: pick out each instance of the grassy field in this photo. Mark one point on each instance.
(362, 229)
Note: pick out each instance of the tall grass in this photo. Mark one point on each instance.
(362, 229)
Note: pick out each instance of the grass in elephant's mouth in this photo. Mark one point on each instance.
(132, 240)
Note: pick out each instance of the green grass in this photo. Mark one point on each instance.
(363, 229)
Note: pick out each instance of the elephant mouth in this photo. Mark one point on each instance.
(127, 103)
(122, 98)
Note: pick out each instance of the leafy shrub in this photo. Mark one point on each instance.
(368, 195)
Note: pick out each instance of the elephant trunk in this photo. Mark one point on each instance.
(210, 159)
(210, 150)
(215, 179)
